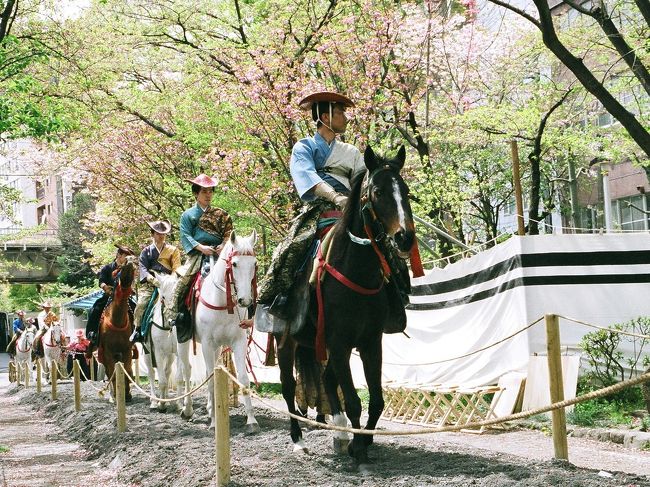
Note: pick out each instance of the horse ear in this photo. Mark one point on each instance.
(401, 156)
(253, 237)
(233, 237)
(370, 159)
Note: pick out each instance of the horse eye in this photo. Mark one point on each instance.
(234, 264)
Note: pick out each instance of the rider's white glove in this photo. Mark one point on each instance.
(325, 191)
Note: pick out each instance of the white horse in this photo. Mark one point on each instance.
(226, 293)
(53, 349)
(24, 346)
(163, 343)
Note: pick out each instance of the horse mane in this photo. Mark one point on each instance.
(351, 207)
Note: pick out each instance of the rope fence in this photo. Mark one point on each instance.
(223, 377)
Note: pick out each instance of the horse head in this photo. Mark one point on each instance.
(26, 339)
(387, 194)
(127, 272)
(56, 333)
(241, 265)
(166, 291)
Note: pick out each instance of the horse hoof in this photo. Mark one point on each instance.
(300, 447)
(340, 445)
(252, 428)
(128, 399)
(187, 415)
(365, 469)
(153, 406)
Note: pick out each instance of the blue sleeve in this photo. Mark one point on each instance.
(143, 264)
(303, 170)
(187, 240)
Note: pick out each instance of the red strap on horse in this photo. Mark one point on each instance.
(212, 306)
(416, 262)
(321, 353)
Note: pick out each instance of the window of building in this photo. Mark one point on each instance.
(629, 213)
(40, 190)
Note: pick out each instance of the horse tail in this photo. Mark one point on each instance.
(309, 370)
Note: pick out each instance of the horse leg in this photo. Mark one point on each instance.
(239, 352)
(164, 372)
(371, 358)
(358, 449)
(128, 367)
(286, 357)
(109, 366)
(46, 369)
(151, 373)
(341, 439)
(208, 358)
(184, 358)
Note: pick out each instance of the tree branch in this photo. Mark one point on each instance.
(627, 53)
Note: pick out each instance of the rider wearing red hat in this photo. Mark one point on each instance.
(203, 229)
(321, 168)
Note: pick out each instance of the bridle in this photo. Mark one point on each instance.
(29, 344)
(230, 286)
(52, 343)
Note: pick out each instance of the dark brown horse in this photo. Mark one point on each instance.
(354, 302)
(115, 327)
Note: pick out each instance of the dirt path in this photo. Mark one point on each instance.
(163, 450)
(39, 454)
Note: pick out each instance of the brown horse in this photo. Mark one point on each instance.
(115, 327)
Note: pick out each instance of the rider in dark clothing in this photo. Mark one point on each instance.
(107, 281)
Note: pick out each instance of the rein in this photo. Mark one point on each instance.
(52, 343)
(117, 296)
(229, 284)
(27, 349)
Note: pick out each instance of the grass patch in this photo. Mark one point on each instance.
(4, 449)
(614, 410)
(270, 390)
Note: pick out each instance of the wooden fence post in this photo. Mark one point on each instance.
(77, 385)
(222, 426)
(556, 384)
(39, 374)
(120, 398)
(19, 372)
(54, 375)
(92, 367)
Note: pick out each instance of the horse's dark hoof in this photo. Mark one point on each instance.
(320, 418)
(128, 399)
(368, 440)
(365, 469)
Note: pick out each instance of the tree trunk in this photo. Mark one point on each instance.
(645, 389)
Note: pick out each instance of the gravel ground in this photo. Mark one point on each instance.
(163, 450)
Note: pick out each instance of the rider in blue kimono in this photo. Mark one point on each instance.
(321, 168)
(203, 229)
